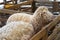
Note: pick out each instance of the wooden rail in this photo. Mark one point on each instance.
(3, 19)
(7, 11)
(18, 5)
(43, 34)
(33, 6)
(6, 2)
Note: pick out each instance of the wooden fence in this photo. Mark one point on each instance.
(43, 33)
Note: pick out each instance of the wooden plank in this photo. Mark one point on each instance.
(46, 35)
(1, 19)
(53, 23)
(55, 6)
(53, 35)
(41, 33)
(26, 9)
(18, 5)
(6, 11)
(15, 1)
(33, 6)
(6, 2)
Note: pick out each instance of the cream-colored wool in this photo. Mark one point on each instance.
(28, 25)
(40, 18)
(27, 17)
(19, 17)
(16, 31)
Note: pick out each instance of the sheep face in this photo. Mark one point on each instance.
(41, 17)
(44, 13)
(46, 16)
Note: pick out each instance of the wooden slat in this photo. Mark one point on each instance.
(18, 5)
(15, 1)
(53, 35)
(6, 11)
(1, 19)
(53, 23)
(55, 6)
(3, 2)
(41, 33)
(33, 6)
(45, 36)
(26, 9)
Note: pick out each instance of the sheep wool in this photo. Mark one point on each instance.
(41, 17)
(27, 17)
(19, 17)
(16, 31)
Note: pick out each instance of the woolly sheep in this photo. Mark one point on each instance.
(27, 17)
(19, 17)
(16, 31)
(40, 17)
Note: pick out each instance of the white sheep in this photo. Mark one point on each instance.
(27, 17)
(19, 17)
(16, 31)
(40, 18)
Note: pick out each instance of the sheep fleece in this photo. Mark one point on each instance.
(16, 31)
(19, 17)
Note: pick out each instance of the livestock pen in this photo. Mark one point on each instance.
(46, 32)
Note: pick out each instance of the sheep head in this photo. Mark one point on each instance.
(43, 13)
(46, 15)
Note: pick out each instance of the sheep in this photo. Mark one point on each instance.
(19, 17)
(27, 17)
(40, 18)
(16, 31)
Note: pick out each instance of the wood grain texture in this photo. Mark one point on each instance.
(42, 32)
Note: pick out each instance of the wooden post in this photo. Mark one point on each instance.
(55, 6)
(7, 11)
(46, 35)
(42, 32)
(4, 3)
(33, 6)
(15, 1)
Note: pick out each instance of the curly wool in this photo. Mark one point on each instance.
(40, 18)
(19, 17)
(16, 31)
(27, 17)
